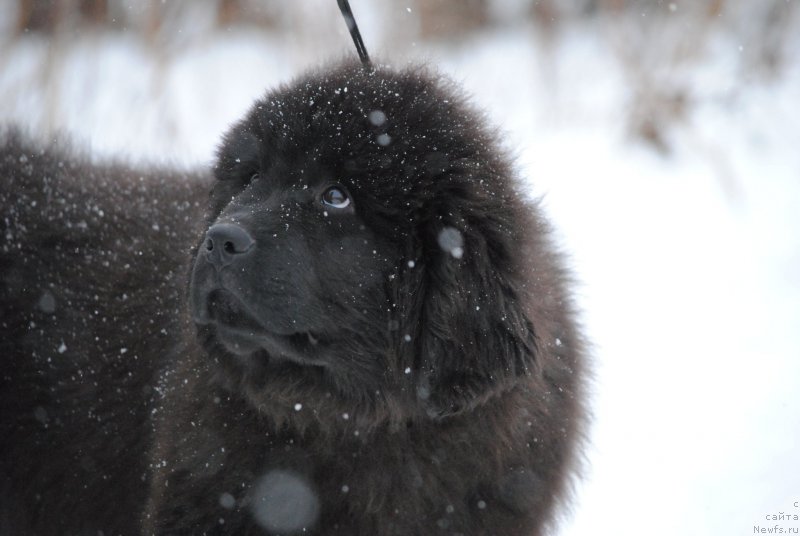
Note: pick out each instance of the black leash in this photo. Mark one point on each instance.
(349, 19)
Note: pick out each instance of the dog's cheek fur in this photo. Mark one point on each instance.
(475, 336)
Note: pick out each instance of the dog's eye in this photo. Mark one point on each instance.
(255, 176)
(335, 197)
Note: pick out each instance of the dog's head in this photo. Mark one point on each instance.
(366, 244)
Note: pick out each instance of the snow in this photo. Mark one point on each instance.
(377, 117)
(688, 260)
(451, 241)
(283, 501)
(227, 501)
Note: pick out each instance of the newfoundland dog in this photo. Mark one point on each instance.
(364, 330)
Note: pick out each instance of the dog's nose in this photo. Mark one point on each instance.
(225, 242)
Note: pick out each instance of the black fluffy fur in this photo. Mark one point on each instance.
(407, 387)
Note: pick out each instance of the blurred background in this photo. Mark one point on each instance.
(663, 137)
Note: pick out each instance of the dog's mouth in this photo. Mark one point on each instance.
(240, 332)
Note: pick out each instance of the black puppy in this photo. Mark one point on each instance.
(375, 337)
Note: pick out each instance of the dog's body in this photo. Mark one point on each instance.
(92, 266)
(371, 336)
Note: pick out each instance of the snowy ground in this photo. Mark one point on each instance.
(689, 262)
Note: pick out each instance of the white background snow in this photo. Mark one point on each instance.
(688, 261)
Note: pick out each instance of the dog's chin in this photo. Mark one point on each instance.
(300, 348)
(239, 332)
(235, 343)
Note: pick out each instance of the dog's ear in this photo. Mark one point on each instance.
(475, 337)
